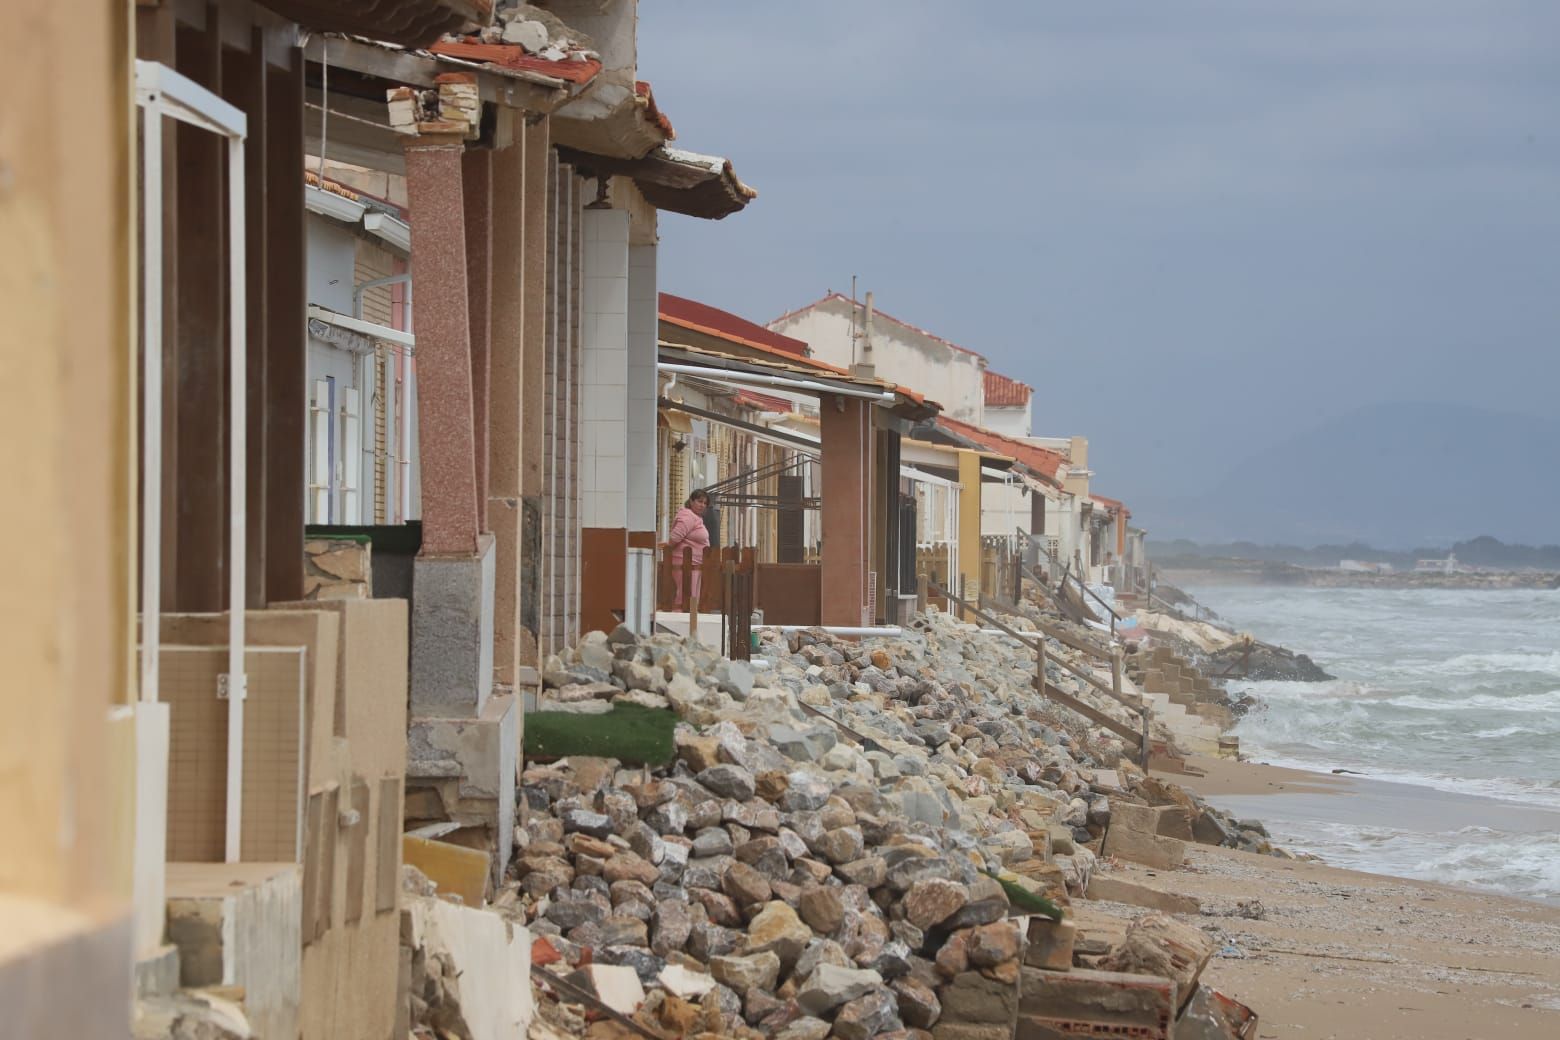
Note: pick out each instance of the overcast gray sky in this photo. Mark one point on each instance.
(1198, 227)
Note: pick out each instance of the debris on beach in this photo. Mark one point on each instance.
(849, 838)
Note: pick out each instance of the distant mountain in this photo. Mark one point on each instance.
(1394, 476)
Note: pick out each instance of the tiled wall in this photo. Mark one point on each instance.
(604, 371)
(561, 423)
(643, 331)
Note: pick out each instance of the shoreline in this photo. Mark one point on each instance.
(1350, 954)
(1288, 799)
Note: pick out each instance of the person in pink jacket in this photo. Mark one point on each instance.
(688, 532)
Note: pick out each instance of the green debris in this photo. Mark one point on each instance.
(1026, 900)
(630, 733)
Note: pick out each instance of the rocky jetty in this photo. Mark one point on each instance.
(855, 839)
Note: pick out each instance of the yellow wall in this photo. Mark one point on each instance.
(969, 523)
(65, 234)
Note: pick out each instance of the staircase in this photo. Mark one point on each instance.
(1185, 701)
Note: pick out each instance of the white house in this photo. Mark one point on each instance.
(361, 425)
(848, 334)
(1007, 405)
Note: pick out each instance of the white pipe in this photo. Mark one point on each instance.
(152, 409)
(405, 278)
(720, 375)
(839, 630)
(238, 483)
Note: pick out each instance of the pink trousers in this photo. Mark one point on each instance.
(677, 582)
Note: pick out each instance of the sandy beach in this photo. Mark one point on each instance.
(1342, 954)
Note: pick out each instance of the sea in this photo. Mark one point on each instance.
(1445, 710)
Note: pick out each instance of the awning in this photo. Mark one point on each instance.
(355, 327)
(410, 23)
(673, 180)
(677, 420)
(798, 375)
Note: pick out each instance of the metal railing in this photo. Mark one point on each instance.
(1043, 686)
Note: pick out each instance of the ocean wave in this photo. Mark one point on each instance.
(1526, 865)
(1549, 700)
(1543, 663)
(1542, 793)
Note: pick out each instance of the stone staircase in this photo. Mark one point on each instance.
(1185, 701)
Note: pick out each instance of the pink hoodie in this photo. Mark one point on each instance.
(688, 530)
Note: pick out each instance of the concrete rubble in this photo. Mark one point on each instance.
(856, 839)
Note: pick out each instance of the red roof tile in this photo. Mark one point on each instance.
(512, 56)
(642, 89)
(1042, 460)
(701, 317)
(764, 402)
(1002, 392)
(1111, 504)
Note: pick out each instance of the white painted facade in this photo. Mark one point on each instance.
(1010, 421)
(361, 376)
(949, 375)
(604, 370)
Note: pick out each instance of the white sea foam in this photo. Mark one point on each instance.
(1543, 663)
(1444, 690)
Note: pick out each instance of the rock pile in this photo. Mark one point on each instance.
(823, 856)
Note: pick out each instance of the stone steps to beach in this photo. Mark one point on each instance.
(1191, 731)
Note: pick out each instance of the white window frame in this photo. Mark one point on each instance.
(161, 92)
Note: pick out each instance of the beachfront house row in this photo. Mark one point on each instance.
(830, 489)
(1046, 495)
(350, 524)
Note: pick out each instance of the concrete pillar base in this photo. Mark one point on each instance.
(452, 633)
(62, 972)
(463, 771)
(241, 924)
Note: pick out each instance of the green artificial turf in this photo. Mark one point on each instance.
(634, 735)
(1026, 900)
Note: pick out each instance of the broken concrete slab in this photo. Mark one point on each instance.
(1095, 1004)
(1146, 848)
(1156, 944)
(1050, 944)
(1210, 1015)
(616, 986)
(1120, 890)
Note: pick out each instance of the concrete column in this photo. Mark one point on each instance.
(969, 524)
(846, 433)
(441, 322)
(533, 387)
(603, 418)
(506, 416)
(453, 580)
(643, 336)
(477, 192)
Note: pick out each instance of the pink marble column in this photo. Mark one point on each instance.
(447, 445)
(477, 188)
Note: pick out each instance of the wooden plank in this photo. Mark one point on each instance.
(312, 847)
(330, 831)
(244, 85)
(1093, 714)
(387, 846)
(357, 851)
(200, 399)
(285, 407)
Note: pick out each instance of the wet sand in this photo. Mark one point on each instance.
(1354, 956)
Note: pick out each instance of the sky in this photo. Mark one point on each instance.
(1197, 227)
